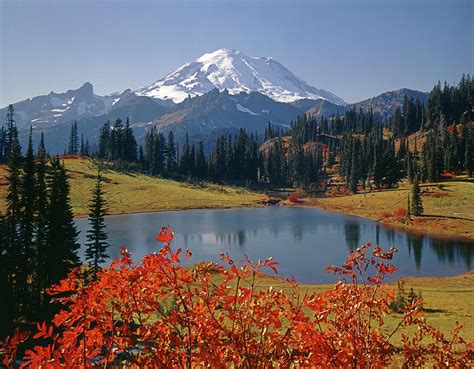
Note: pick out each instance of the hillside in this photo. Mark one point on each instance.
(449, 209)
(139, 193)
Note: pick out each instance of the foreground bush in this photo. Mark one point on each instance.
(158, 314)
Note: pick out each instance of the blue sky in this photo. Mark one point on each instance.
(355, 49)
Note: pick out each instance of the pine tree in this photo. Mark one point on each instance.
(96, 246)
(14, 258)
(354, 170)
(171, 154)
(3, 141)
(416, 204)
(11, 132)
(129, 150)
(73, 147)
(408, 206)
(201, 165)
(184, 164)
(104, 141)
(62, 233)
(41, 206)
(28, 215)
(469, 152)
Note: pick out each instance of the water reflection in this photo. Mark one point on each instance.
(352, 234)
(302, 240)
(415, 244)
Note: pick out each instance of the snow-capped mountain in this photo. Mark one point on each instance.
(236, 72)
(56, 108)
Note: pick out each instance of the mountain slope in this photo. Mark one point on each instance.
(232, 70)
(384, 105)
(222, 111)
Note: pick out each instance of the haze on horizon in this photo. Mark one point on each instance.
(355, 49)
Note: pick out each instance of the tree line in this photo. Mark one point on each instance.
(38, 236)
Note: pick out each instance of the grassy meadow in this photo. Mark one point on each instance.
(448, 207)
(132, 192)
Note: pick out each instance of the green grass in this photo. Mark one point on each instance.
(139, 193)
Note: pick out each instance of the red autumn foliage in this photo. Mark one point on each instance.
(448, 174)
(158, 314)
(294, 197)
(400, 214)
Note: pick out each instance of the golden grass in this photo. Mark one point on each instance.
(449, 207)
(139, 193)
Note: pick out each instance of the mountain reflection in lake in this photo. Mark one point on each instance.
(303, 240)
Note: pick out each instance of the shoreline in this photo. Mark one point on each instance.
(414, 229)
(252, 206)
(388, 225)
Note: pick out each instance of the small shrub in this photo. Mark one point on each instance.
(400, 214)
(294, 197)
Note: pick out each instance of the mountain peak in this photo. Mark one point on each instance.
(218, 54)
(233, 70)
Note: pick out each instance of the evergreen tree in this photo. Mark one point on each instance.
(171, 155)
(416, 204)
(41, 206)
(104, 141)
(28, 216)
(96, 246)
(73, 147)
(469, 152)
(408, 207)
(62, 233)
(201, 165)
(11, 132)
(129, 149)
(12, 266)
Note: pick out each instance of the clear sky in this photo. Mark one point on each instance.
(355, 49)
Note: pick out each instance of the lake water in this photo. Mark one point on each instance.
(303, 240)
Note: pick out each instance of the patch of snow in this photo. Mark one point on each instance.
(60, 110)
(57, 115)
(245, 110)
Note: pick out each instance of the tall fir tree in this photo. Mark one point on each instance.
(15, 257)
(96, 245)
(416, 203)
(201, 164)
(11, 132)
(73, 147)
(41, 206)
(62, 233)
(171, 155)
(469, 151)
(28, 218)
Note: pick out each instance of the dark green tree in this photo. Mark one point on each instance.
(416, 203)
(62, 233)
(28, 220)
(96, 246)
(171, 165)
(73, 147)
